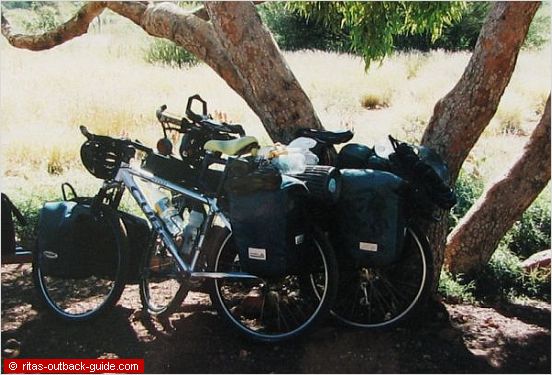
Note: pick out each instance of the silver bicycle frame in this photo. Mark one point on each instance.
(127, 174)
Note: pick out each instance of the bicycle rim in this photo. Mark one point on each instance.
(377, 297)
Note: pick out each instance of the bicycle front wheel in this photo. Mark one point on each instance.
(81, 290)
(274, 309)
(162, 289)
(377, 297)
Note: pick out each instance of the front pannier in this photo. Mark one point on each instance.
(270, 230)
(74, 242)
(139, 238)
(370, 222)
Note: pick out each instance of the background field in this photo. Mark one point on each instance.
(102, 80)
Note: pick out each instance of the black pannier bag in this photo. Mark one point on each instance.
(370, 222)
(76, 243)
(270, 229)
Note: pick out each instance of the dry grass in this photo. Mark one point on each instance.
(100, 80)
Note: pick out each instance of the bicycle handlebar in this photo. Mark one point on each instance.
(120, 141)
(203, 121)
(165, 118)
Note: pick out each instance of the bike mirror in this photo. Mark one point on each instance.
(190, 113)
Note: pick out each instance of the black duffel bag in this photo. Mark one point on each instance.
(270, 228)
(370, 222)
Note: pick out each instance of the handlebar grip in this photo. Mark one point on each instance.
(159, 111)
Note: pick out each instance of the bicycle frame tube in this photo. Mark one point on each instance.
(127, 173)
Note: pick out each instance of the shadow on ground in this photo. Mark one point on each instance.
(197, 340)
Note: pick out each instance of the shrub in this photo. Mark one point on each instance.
(414, 62)
(45, 17)
(293, 31)
(538, 34)
(469, 186)
(503, 278)
(29, 203)
(509, 120)
(55, 165)
(24, 4)
(531, 233)
(374, 101)
(461, 35)
(167, 53)
(455, 289)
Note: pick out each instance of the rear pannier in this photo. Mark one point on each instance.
(270, 229)
(370, 222)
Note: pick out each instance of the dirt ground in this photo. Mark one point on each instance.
(446, 339)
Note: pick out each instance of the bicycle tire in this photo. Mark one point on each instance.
(161, 288)
(262, 310)
(72, 299)
(382, 297)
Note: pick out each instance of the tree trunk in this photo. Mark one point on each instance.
(227, 36)
(461, 116)
(473, 241)
(273, 88)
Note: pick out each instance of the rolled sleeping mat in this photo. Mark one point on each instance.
(323, 182)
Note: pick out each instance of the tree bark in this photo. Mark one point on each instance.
(475, 238)
(254, 53)
(461, 116)
(227, 36)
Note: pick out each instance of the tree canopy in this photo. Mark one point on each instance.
(373, 26)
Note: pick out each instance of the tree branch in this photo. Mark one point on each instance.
(189, 30)
(472, 243)
(76, 26)
(461, 116)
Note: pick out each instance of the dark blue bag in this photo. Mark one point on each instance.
(270, 229)
(370, 222)
(74, 242)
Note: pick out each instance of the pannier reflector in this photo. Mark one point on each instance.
(259, 254)
(368, 246)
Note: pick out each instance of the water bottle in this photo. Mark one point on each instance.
(190, 231)
(166, 211)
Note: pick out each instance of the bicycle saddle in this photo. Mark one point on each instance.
(237, 146)
(326, 136)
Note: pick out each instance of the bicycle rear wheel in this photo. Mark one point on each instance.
(161, 288)
(77, 293)
(274, 309)
(377, 297)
